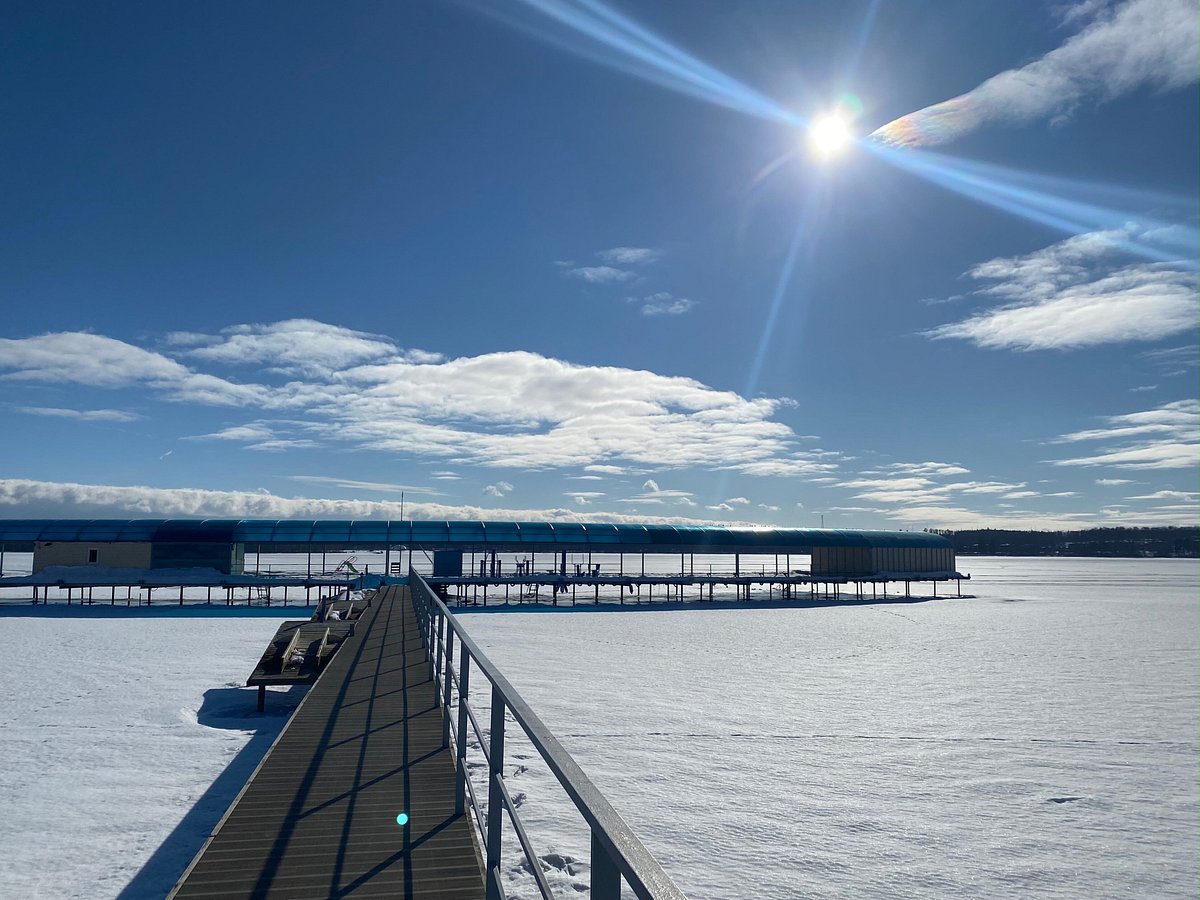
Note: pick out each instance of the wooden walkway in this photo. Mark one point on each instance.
(318, 817)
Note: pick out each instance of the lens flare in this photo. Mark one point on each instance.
(402, 819)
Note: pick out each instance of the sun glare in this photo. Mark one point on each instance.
(829, 135)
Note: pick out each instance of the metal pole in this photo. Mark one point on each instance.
(441, 629)
(495, 810)
(606, 878)
(446, 679)
(464, 682)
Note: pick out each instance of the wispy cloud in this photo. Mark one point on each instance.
(933, 469)
(375, 487)
(1112, 482)
(1187, 496)
(82, 415)
(652, 493)
(663, 304)
(1075, 294)
(629, 256)
(1140, 43)
(1166, 437)
(601, 274)
(1172, 361)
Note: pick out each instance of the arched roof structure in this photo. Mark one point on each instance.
(597, 537)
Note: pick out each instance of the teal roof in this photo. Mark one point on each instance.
(364, 533)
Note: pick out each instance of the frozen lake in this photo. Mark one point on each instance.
(1039, 739)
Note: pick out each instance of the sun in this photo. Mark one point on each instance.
(829, 135)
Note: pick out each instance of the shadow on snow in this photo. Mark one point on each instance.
(232, 708)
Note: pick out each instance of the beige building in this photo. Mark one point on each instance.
(114, 554)
(226, 558)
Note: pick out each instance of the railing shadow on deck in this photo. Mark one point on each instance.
(232, 708)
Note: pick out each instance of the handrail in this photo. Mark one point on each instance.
(616, 851)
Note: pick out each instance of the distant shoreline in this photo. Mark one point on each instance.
(1165, 542)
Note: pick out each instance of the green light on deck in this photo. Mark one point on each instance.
(402, 819)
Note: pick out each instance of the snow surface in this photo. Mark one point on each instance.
(1038, 740)
(126, 734)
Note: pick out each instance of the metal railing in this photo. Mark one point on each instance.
(616, 853)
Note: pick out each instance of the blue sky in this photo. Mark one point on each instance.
(556, 258)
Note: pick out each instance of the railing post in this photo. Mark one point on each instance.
(447, 679)
(606, 878)
(430, 636)
(495, 811)
(441, 628)
(464, 686)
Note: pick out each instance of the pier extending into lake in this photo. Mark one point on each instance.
(319, 816)
(367, 793)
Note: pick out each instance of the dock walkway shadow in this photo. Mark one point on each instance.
(232, 708)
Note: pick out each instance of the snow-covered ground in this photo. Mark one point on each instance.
(1040, 739)
(126, 736)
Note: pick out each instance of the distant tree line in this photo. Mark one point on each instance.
(1165, 541)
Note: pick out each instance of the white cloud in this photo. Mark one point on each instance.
(629, 256)
(511, 410)
(1073, 294)
(278, 445)
(1020, 495)
(1189, 496)
(768, 507)
(76, 357)
(1140, 43)
(933, 469)
(378, 487)
(664, 304)
(37, 499)
(1166, 437)
(249, 432)
(653, 493)
(601, 274)
(723, 507)
(499, 489)
(741, 501)
(915, 489)
(1108, 482)
(295, 346)
(82, 415)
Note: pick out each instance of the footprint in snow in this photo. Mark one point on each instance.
(564, 863)
(1063, 799)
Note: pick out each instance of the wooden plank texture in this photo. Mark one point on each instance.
(318, 818)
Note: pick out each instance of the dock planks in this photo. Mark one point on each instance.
(318, 817)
